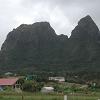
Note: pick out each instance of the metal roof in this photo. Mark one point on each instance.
(8, 81)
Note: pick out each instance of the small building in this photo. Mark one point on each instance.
(8, 74)
(31, 77)
(9, 82)
(47, 90)
(59, 79)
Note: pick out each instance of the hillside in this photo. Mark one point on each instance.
(37, 47)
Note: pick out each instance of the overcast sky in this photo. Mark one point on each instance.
(63, 15)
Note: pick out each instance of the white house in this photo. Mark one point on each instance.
(59, 79)
(47, 90)
(8, 74)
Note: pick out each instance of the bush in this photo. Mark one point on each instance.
(27, 86)
(32, 86)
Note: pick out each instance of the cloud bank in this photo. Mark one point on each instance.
(63, 15)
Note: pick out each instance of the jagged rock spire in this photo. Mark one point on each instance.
(86, 28)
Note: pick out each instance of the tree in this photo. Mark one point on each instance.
(27, 86)
(32, 86)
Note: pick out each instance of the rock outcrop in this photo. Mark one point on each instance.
(86, 29)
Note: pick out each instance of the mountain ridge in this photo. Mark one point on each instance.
(38, 47)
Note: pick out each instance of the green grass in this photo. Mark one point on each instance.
(29, 96)
(39, 96)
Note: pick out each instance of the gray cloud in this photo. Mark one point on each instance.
(62, 14)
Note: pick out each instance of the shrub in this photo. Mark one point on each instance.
(32, 86)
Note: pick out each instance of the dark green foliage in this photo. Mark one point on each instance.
(21, 81)
(32, 86)
(28, 86)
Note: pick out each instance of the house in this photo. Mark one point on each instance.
(47, 90)
(31, 77)
(9, 82)
(59, 79)
(8, 74)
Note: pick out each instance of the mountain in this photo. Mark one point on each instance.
(85, 44)
(37, 47)
(31, 45)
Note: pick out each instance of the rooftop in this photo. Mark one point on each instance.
(8, 81)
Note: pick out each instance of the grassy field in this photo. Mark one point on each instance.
(29, 96)
(38, 96)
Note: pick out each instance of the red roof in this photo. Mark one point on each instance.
(8, 81)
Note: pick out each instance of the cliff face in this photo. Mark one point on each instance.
(85, 39)
(38, 45)
(30, 45)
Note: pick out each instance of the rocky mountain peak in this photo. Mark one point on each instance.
(26, 33)
(44, 29)
(86, 20)
(86, 28)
